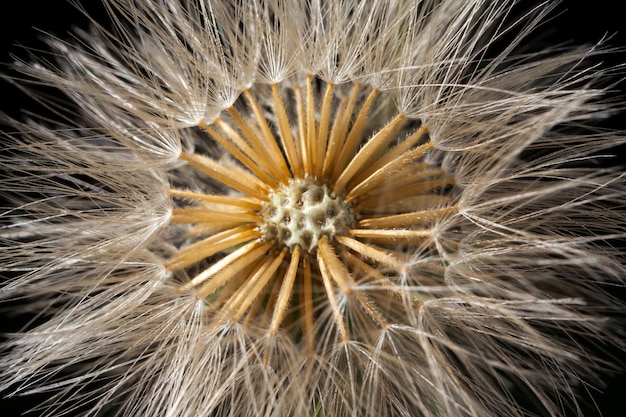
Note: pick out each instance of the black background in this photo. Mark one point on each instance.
(579, 22)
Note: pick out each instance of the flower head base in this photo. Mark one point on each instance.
(302, 212)
(318, 206)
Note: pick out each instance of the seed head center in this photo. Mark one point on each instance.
(302, 212)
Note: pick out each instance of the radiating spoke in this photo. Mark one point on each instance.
(286, 291)
(407, 219)
(373, 253)
(391, 236)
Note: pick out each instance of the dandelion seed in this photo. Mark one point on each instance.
(322, 208)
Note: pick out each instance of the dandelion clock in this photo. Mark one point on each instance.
(312, 208)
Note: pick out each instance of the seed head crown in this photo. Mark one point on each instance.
(302, 212)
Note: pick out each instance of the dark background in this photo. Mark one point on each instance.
(583, 21)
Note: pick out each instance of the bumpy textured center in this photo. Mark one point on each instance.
(302, 212)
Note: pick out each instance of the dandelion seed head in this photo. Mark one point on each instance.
(321, 208)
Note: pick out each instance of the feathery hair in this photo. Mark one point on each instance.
(312, 208)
